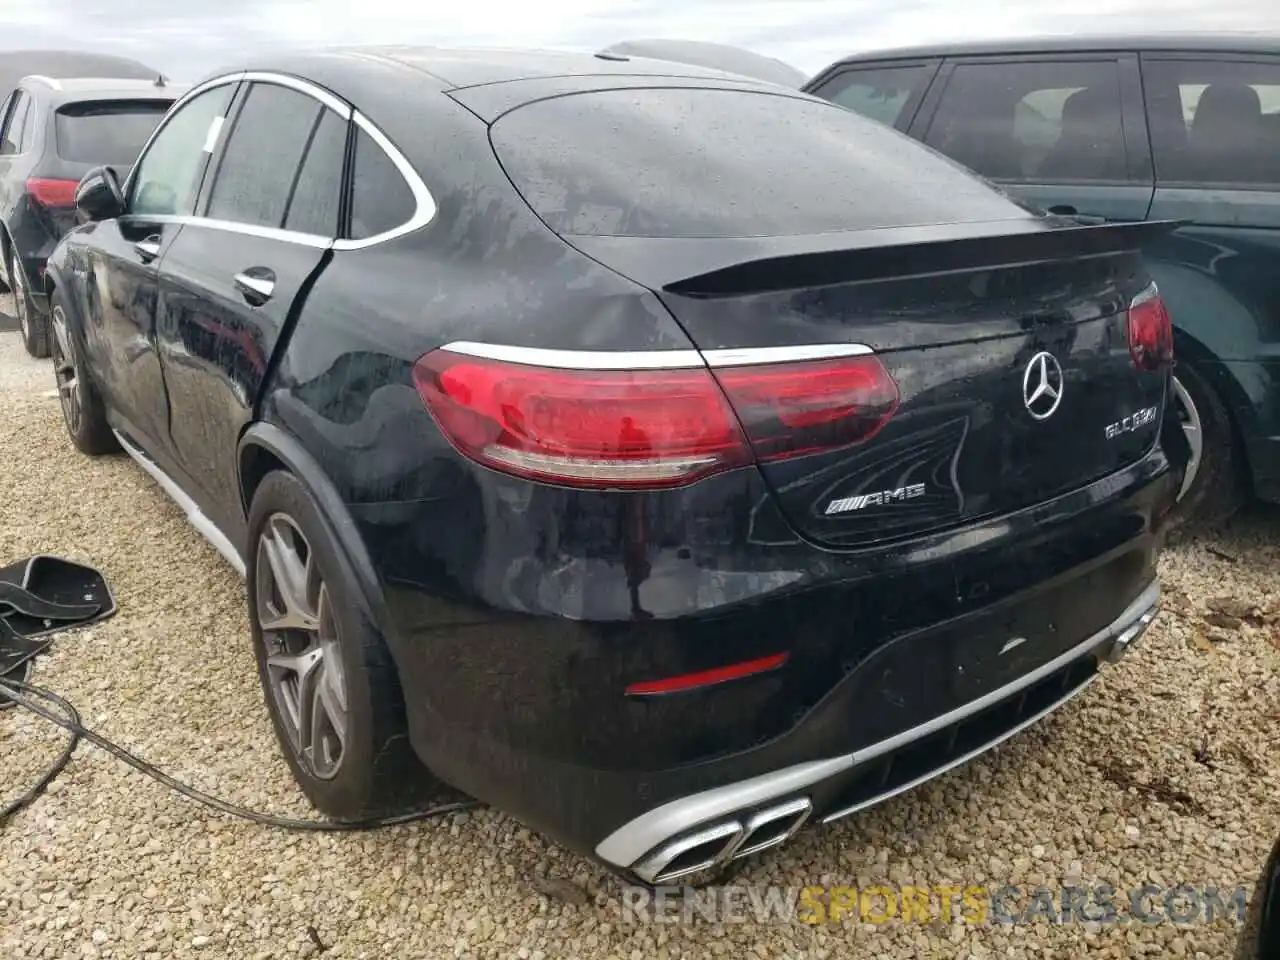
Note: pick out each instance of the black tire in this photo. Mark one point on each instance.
(1259, 937)
(379, 774)
(1219, 487)
(88, 429)
(35, 328)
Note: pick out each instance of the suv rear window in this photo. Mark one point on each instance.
(106, 131)
(694, 162)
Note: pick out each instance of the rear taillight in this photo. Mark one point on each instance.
(52, 193)
(647, 428)
(1150, 331)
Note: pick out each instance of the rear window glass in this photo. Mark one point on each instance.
(106, 132)
(727, 163)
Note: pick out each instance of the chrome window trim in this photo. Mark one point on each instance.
(655, 359)
(247, 229)
(424, 204)
(319, 94)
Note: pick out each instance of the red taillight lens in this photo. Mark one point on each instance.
(792, 409)
(647, 429)
(1150, 331)
(52, 193)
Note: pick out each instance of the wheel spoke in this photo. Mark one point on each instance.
(1189, 418)
(328, 724)
(293, 674)
(293, 577)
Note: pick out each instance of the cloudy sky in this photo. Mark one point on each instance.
(188, 38)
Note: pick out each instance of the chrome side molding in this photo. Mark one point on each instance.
(195, 516)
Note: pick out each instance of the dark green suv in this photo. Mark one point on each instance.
(1134, 128)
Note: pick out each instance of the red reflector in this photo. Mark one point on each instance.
(52, 193)
(1150, 331)
(648, 429)
(706, 678)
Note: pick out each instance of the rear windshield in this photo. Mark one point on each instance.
(106, 131)
(692, 162)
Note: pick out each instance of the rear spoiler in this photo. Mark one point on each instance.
(741, 266)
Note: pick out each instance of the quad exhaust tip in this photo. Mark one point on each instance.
(717, 844)
(1128, 638)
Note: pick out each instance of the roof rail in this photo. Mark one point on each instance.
(41, 78)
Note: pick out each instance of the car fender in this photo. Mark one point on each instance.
(264, 437)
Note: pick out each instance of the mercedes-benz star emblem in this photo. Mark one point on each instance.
(1042, 386)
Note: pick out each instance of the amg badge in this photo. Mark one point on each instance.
(1135, 421)
(879, 499)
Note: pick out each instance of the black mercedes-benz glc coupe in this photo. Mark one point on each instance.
(665, 457)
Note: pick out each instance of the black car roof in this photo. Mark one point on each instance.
(1243, 42)
(466, 67)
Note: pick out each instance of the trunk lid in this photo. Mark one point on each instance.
(1010, 350)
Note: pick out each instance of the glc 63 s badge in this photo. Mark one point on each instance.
(1135, 421)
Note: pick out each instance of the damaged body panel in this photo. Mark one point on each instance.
(694, 495)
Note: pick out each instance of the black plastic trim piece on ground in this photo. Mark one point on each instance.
(42, 595)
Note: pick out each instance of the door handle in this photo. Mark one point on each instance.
(256, 284)
(148, 249)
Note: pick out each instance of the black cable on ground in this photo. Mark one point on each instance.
(28, 696)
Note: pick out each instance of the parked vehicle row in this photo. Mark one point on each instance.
(52, 132)
(1134, 128)
(666, 457)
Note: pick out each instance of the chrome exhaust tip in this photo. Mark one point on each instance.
(710, 847)
(1129, 637)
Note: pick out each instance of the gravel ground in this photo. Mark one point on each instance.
(1159, 774)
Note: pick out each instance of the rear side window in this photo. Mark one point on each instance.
(262, 157)
(1214, 121)
(10, 143)
(727, 163)
(27, 139)
(105, 131)
(1042, 121)
(880, 93)
(380, 198)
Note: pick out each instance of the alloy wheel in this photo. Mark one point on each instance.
(64, 370)
(1189, 417)
(18, 284)
(305, 672)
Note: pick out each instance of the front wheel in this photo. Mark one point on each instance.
(331, 687)
(83, 411)
(35, 328)
(1214, 486)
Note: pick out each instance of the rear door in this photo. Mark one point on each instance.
(1061, 131)
(889, 91)
(268, 216)
(1215, 126)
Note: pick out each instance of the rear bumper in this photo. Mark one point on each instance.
(703, 830)
(526, 710)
